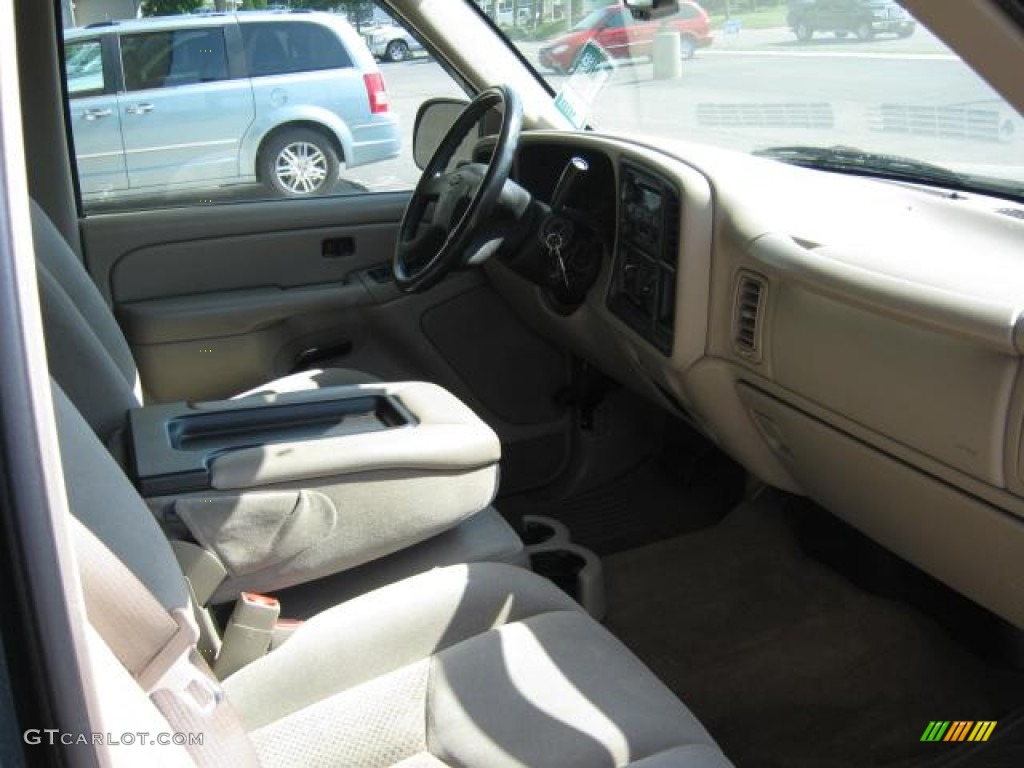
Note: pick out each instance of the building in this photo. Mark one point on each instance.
(82, 13)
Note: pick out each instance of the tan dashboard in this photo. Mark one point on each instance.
(854, 340)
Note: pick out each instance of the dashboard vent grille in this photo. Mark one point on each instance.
(750, 294)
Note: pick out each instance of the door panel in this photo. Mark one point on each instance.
(829, 15)
(289, 274)
(257, 260)
(641, 37)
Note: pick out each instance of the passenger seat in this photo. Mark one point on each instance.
(91, 359)
(477, 665)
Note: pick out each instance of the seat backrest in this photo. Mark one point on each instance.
(87, 352)
(104, 501)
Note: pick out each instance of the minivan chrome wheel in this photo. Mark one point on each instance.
(300, 163)
(301, 168)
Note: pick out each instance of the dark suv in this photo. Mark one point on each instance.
(863, 18)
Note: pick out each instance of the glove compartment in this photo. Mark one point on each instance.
(944, 396)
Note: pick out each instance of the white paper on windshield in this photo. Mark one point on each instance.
(591, 69)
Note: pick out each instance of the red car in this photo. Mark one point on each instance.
(625, 37)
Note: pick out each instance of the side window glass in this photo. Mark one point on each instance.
(171, 58)
(278, 49)
(262, 105)
(617, 20)
(84, 64)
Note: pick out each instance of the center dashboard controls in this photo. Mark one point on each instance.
(643, 287)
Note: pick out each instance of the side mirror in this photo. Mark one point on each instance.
(652, 9)
(435, 118)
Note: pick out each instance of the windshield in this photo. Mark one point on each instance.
(866, 77)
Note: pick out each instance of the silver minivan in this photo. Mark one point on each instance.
(194, 102)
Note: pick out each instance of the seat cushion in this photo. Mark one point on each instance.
(483, 538)
(478, 665)
(553, 689)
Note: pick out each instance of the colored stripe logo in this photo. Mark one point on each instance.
(958, 730)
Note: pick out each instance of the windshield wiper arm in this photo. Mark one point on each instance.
(858, 161)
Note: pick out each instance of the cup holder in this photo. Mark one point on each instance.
(575, 569)
(537, 530)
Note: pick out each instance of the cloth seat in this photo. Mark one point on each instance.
(90, 358)
(474, 665)
(479, 665)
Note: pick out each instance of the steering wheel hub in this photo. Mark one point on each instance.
(449, 215)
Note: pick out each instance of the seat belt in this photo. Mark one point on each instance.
(158, 648)
(253, 627)
(204, 572)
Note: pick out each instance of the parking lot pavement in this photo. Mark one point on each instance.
(764, 88)
(782, 39)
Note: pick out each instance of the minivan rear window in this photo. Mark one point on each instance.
(279, 48)
(174, 57)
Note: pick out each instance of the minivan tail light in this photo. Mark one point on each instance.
(376, 92)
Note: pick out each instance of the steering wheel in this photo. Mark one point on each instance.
(445, 222)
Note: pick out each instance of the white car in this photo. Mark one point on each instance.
(391, 43)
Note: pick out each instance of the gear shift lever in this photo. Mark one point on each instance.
(574, 170)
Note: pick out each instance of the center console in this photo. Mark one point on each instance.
(643, 287)
(175, 447)
(287, 488)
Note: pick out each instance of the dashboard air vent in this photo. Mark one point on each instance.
(750, 294)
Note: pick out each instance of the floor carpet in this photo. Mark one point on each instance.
(690, 485)
(786, 662)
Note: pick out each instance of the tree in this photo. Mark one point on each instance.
(169, 7)
(358, 12)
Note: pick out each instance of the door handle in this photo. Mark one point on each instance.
(139, 109)
(96, 114)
